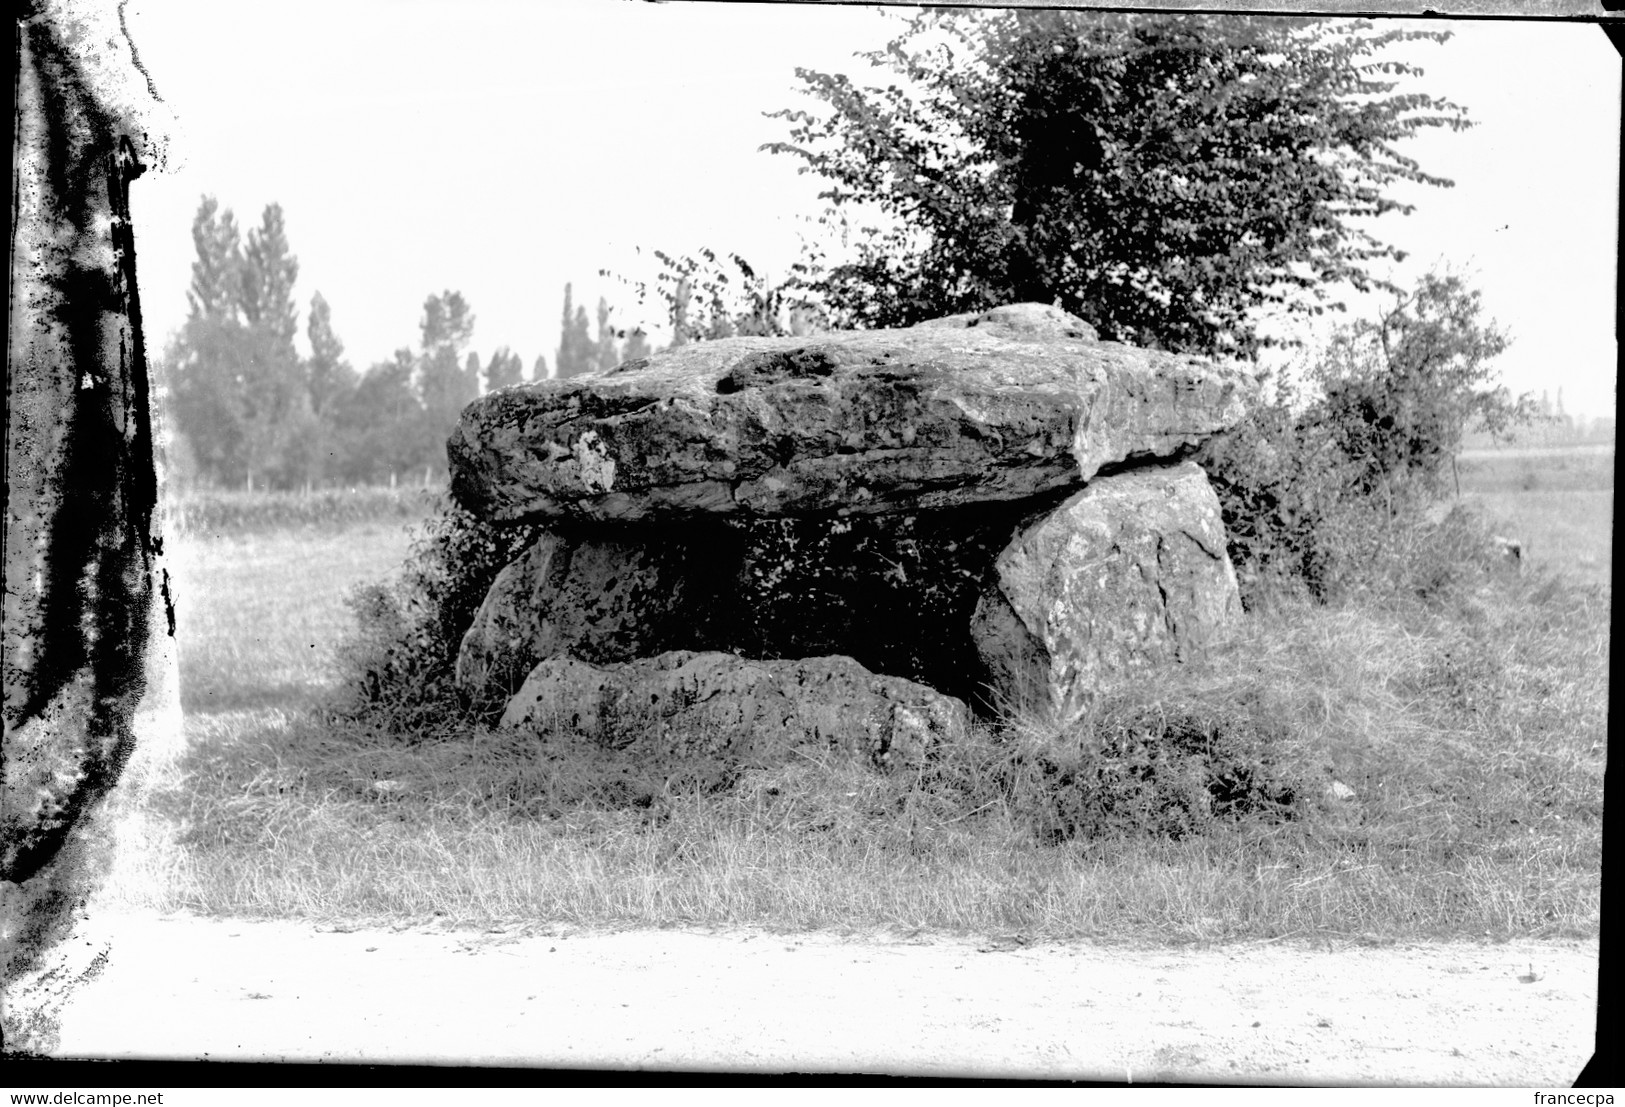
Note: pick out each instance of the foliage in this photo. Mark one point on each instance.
(1314, 486)
(328, 375)
(268, 271)
(444, 384)
(577, 353)
(636, 345)
(1401, 390)
(1158, 768)
(1165, 177)
(248, 406)
(378, 421)
(251, 411)
(204, 368)
(402, 662)
(706, 297)
(504, 370)
(221, 376)
(1282, 482)
(607, 351)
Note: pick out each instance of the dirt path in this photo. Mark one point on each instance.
(1269, 1013)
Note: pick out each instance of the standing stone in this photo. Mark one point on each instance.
(1130, 572)
(601, 599)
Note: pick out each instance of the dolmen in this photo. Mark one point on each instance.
(851, 541)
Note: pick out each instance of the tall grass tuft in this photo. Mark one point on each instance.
(400, 664)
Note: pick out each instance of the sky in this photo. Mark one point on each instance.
(502, 149)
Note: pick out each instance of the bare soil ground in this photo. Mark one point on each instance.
(1519, 1014)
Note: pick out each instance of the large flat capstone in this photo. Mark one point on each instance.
(998, 406)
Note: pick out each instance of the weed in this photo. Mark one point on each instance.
(401, 662)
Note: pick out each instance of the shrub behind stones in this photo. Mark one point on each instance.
(402, 659)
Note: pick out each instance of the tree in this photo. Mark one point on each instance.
(204, 361)
(538, 372)
(327, 374)
(269, 271)
(1401, 390)
(680, 297)
(707, 298)
(215, 269)
(241, 393)
(447, 323)
(637, 345)
(279, 428)
(607, 352)
(504, 370)
(577, 352)
(381, 422)
(1167, 177)
(329, 382)
(443, 381)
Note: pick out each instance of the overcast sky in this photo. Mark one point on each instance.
(504, 148)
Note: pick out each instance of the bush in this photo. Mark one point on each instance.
(1173, 769)
(1281, 481)
(403, 657)
(1318, 491)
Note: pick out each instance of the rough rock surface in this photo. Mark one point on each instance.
(1129, 572)
(1000, 406)
(718, 704)
(600, 599)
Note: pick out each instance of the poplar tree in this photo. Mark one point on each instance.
(444, 384)
(279, 428)
(327, 374)
(577, 353)
(607, 354)
(205, 362)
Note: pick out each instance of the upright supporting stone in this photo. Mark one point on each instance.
(1130, 572)
(80, 481)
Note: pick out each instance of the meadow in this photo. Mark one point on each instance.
(1559, 503)
(1471, 729)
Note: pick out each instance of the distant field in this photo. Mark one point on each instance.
(1558, 502)
(220, 513)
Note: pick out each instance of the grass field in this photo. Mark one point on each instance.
(1473, 735)
(257, 615)
(1560, 504)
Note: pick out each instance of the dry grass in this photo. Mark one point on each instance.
(1472, 728)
